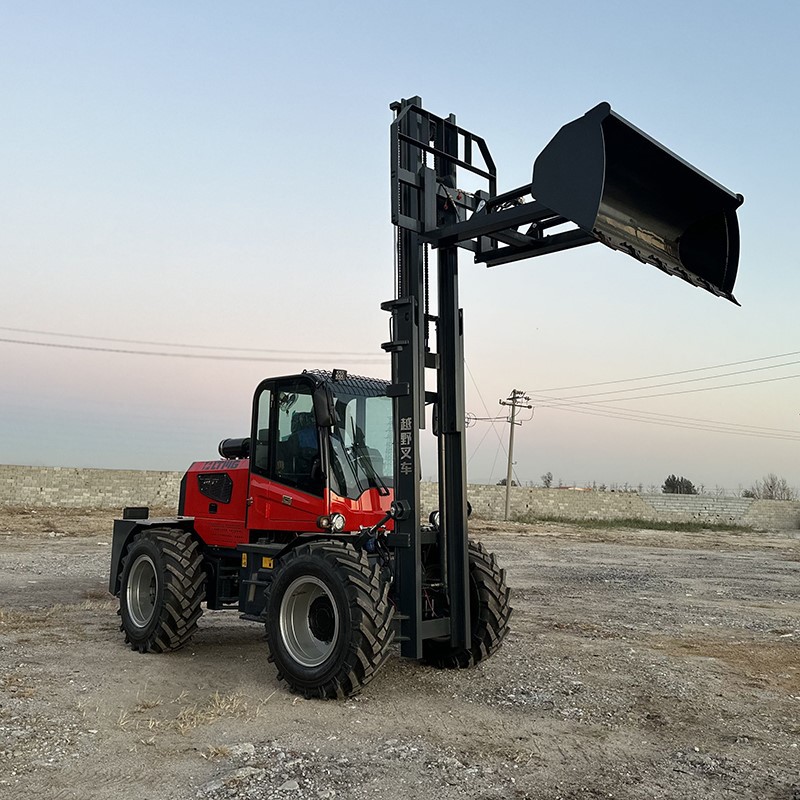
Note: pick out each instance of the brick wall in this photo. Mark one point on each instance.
(69, 487)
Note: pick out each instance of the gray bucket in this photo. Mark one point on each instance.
(633, 194)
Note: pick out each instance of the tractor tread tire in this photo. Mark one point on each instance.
(370, 616)
(489, 625)
(183, 579)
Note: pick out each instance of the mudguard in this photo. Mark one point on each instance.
(126, 529)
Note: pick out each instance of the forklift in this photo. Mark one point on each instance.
(310, 525)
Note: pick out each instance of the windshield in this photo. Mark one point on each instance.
(362, 452)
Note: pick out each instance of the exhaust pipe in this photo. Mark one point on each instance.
(235, 448)
(633, 194)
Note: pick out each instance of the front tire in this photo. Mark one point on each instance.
(161, 589)
(490, 610)
(329, 620)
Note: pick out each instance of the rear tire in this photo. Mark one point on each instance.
(490, 610)
(161, 589)
(329, 620)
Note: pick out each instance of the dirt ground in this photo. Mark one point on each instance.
(640, 665)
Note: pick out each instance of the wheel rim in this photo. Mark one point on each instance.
(142, 590)
(309, 621)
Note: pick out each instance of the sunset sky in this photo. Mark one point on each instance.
(217, 175)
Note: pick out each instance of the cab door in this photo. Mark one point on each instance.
(287, 481)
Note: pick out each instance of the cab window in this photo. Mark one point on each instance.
(260, 451)
(297, 454)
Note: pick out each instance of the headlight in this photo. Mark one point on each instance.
(334, 522)
(337, 522)
(434, 518)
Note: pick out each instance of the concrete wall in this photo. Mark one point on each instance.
(67, 487)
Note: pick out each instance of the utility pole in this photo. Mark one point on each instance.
(517, 399)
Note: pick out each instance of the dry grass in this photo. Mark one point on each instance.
(12, 620)
(59, 616)
(16, 686)
(102, 595)
(633, 523)
(56, 522)
(146, 705)
(212, 753)
(759, 664)
(155, 714)
(217, 707)
(65, 522)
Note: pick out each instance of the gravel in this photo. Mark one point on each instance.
(641, 665)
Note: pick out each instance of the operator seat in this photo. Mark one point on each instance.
(302, 450)
(304, 431)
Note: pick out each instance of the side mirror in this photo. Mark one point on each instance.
(324, 409)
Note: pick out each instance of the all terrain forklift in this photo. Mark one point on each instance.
(311, 524)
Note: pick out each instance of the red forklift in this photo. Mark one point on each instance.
(311, 524)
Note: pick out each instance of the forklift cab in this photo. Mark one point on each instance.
(319, 447)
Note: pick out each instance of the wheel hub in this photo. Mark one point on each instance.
(309, 621)
(321, 619)
(142, 590)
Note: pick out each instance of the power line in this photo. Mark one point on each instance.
(590, 407)
(486, 409)
(478, 447)
(359, 359)
(678, 383)
(496, 453)
(60, 334)
(543, 403)
(683, 391)
(613, 414)
(670, 374)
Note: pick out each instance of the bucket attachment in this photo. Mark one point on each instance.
(634, 195)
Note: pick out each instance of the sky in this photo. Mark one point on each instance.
(216, 175)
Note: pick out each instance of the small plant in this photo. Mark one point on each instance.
(771, 488)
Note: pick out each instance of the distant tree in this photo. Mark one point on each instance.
(502, 482)
(675, 485)
(771, 488)
(547, 480)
